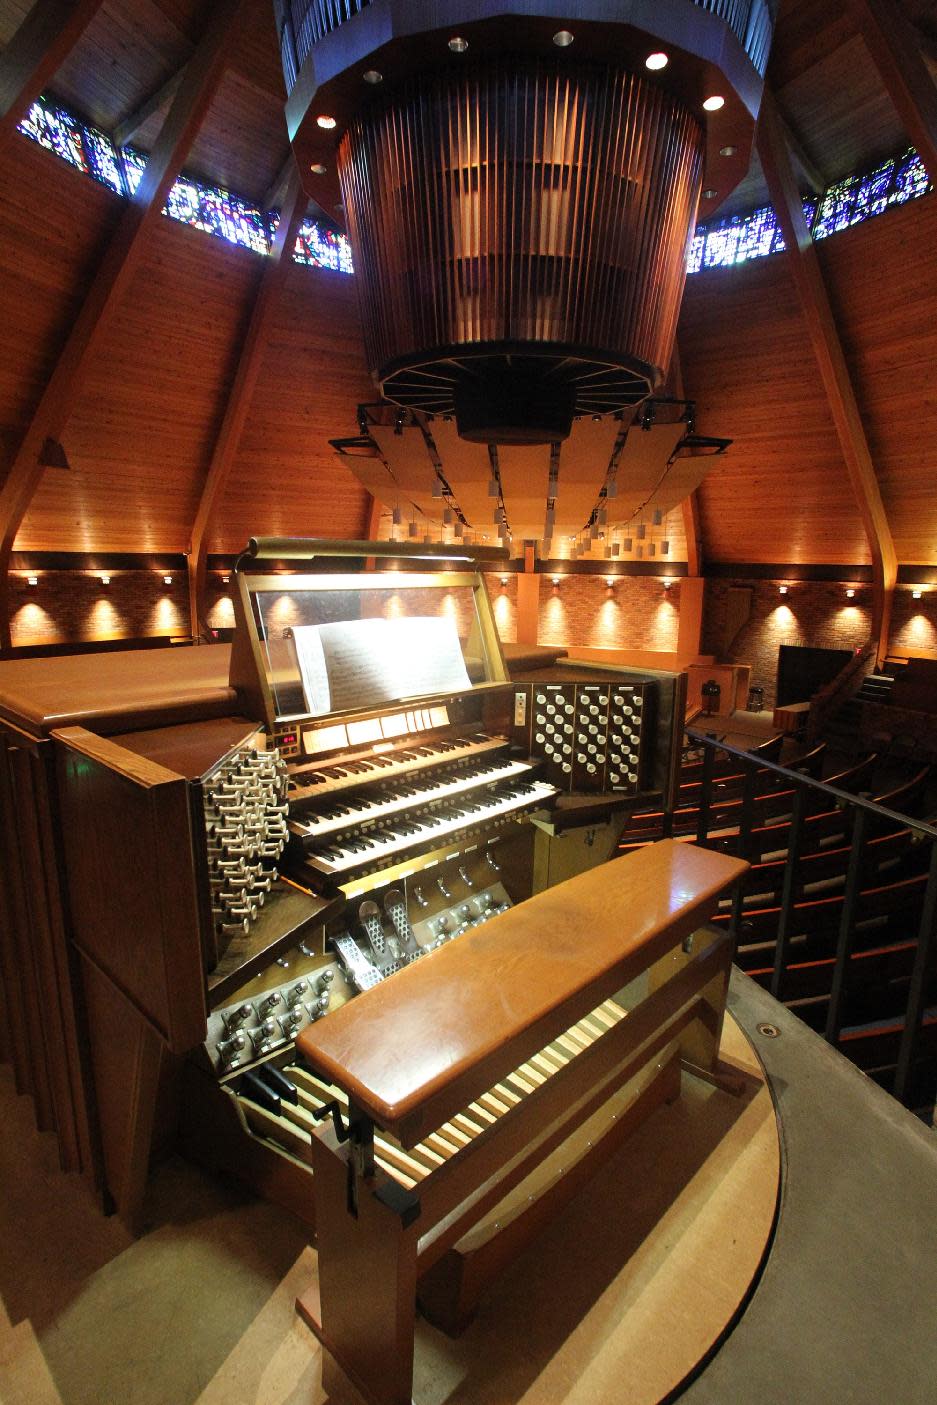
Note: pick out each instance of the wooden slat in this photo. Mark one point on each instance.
(111, 281)
(128, 127)
(831, 362)
(35, 53)
(236, 410)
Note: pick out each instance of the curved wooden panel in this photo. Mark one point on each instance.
(530, 207)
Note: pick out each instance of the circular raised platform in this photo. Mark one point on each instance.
(640, 1277)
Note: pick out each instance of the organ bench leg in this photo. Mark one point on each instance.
(364, 1312)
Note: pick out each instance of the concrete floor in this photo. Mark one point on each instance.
(199, 1311)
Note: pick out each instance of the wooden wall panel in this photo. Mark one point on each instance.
(140, 442)
(54, 223)
(286, 480)
(781, 492)
(882, 281)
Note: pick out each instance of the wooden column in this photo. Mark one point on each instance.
(528, 601)
(824, 339)
(690, 506)
(895, 48)
(120, 262)
(692, 593)
(271, 287)
(36, 52)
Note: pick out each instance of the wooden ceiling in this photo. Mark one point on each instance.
(141, 438)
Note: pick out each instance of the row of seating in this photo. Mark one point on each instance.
(887, 914)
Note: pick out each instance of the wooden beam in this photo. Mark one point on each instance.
(895, 49)
(272, 284)
(690, 506)
(113, 277)
(274, 195)
(36, 53)
(834, 373)
(127, 128)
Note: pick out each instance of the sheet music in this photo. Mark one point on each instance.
(312, 669)
(372, 661)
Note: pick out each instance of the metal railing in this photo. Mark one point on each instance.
(862, 821)
(301, 24)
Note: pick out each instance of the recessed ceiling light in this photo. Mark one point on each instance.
(656, 61)
(728, 150)
(318, 169)
(710, 194)
(714, 103)
(457, 44)
(327, 123)
(562, 38)
(372, 76)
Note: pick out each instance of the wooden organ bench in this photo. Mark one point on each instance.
(464, 1081)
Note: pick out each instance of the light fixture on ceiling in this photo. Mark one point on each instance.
(656, 61)
(713, 104)
(326, 122)
(396, 516)
(616, 549)
(562, 38)
(658, 517)
(709, 193)
(728, 150)
(627, 544)
(457, 44)
(413, 530)
(640, 531)
(371, 75)
(493, 487)
(665, 547)
(318, 169)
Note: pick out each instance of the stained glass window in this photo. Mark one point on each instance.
(133, 162)
(323, 248)
(104, 160)
(218, 212)
(57, 131)
(858, 197)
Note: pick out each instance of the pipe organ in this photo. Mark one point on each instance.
(246, 856)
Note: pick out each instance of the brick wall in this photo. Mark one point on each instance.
(71, 606)
(815, 613)
(635, 613)
(914, 623)
(504, 604)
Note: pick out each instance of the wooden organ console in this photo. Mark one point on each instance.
(233, 853)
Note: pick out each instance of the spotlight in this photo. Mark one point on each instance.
(667, 583)
(556, 581)
(782, 589)
(714, 103)
(225, 580)
(916, 594)
(709, 193)
(372, 76)
(105, 580)
(626, 543)
(32, 580)
(850, 595)
(562, 39)
(504, 581)
(493, 487)
(318, 169)
(656, 61)
(658, 517)
(665, 548)
(457, 44)
(728, 150)
(327, 123)
(609, 581)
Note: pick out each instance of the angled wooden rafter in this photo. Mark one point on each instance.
(36, 52)
(690, 505)
(895, 49)
(112, 279)
(268, 297)
(127, 128)
(834, 373)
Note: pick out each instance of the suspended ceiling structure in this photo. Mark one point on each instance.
(519, 197)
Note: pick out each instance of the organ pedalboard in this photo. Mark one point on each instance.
(592, 737)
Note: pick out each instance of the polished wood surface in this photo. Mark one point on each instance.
(834, 372)
(117, 691)
(112, 279)
(582, 937)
